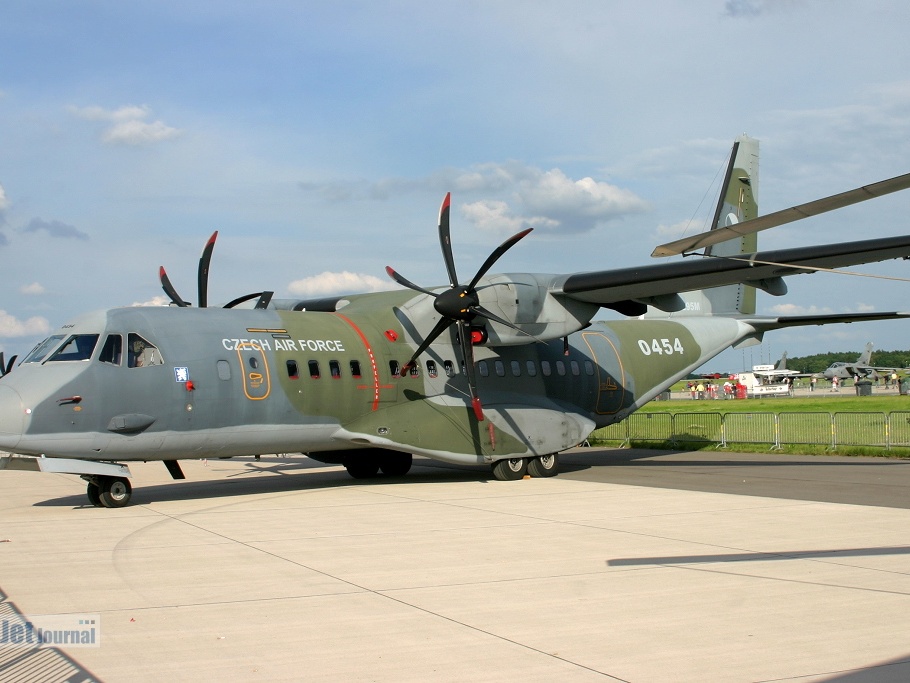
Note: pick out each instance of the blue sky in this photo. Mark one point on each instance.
(319, 139)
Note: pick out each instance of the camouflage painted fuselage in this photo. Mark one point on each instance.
(243, 382)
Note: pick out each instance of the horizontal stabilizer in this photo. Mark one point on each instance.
(794, 213)
(772, 323)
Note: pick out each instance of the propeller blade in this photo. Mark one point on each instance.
(404, 282)
(467, 354)
(241, 299)
(494, 257)
(264, 300)
(441, 326)
(445, 239)
(203, 277)
(169, 289)
(484, 313)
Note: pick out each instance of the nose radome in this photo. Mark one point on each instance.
(12, 418)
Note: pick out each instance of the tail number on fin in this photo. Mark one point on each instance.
(660, 346)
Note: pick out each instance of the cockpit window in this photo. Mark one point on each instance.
(77, 347)
(142, 353)
(39, 352)
(112, 351)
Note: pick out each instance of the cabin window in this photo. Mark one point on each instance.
(483, 369)
(335, 369)
(545, 368)
(293, 370)
(431, 368)
(449, 368)
(516, 368)
(112, 351)
(532, 368)
(40, 352)
(576, 369)
(500, 368)
(141, 352)
(560, 368)
(224, 370)
(355, 368)
(414, 370)
(589, 368)
(395, 368)
(313, 365)
(77, 347)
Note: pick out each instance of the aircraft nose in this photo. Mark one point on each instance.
(12, 418)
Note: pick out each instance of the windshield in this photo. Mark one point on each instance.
(39, 352)
(77, 347)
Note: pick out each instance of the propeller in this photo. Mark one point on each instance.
(202, 283)
(6, 368)
(460, 304)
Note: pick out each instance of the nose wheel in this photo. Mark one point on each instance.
(109, 492)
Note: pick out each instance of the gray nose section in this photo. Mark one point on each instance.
(12, 418)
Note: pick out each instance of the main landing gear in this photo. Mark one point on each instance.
(511, 469)
(108, 492)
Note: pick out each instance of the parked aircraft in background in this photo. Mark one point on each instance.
(860, 368)
(500, 369)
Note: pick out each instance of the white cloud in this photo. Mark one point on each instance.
(345, 282)
(4, 201)
(139, 133)
(130, 126)
(10, 326)
(497, 216)
(32, 290)
(159, 300)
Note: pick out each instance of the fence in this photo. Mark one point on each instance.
(880, 430)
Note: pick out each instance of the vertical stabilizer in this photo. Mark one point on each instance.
(865, 358)
(738, 202)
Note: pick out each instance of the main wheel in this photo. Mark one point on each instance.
(544, 466)
(362, 467)
(510, 469)
(115, 492)
(395, 464)
(94, 494)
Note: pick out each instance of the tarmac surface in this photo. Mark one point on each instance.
(631, 565)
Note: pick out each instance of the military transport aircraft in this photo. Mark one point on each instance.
(860, 368)
(504, 369)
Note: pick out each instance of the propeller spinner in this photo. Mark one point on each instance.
(460, 304)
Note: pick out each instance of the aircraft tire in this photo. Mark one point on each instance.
(94, 494)
(510, 469)
(395, 464)
(544, 466)
(115, 492)
(362, 467)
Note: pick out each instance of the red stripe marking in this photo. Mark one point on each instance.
(369, 349)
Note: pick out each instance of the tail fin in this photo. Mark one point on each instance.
(738, 202)
(782, 363)
(865, 358)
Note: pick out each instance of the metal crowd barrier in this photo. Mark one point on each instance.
(880, 430)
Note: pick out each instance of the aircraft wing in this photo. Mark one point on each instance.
(624, 289)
